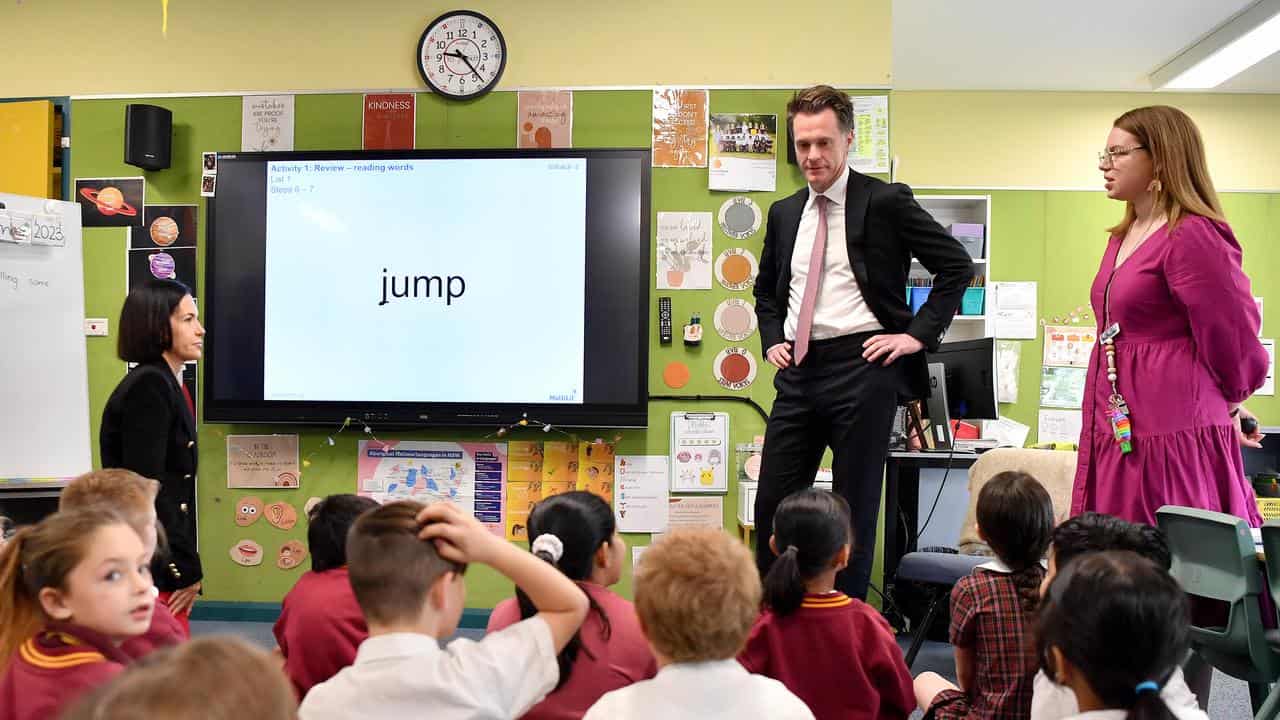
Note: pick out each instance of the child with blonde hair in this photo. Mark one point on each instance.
(85, 578)
(698, 594)
(133, 497)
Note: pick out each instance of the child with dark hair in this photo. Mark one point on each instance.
(407, 563)
(320, 625)
(1113, 629)
(834, 652)
(576, 532)
(1090, 533)
(992, 608)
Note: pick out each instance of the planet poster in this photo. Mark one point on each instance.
(163, 264)
(111, 202)
(164, 247)
(165, 226)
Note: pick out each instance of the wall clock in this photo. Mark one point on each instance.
(461, 55)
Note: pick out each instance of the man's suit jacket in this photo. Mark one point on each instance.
(884, 228)
(148, 428)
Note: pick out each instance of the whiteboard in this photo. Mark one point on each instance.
(44, 381)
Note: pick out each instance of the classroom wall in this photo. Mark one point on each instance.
(1050, 140)
(601, 119)
(74, 47)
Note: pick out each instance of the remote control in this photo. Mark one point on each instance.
(664, 320)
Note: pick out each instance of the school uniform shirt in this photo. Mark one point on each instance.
(54, 668)
(603, 663)
(1052, 701)
(702, 691)
(836, 654)
(409, 675)
(987, 617)
(320, 628)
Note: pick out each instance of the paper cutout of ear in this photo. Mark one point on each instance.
(247, 553)
(291, 555)
(281, 514)
(248, 510)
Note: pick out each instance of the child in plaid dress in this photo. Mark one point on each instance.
(992, 609)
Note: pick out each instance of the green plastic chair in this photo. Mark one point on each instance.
(1271, 547)
(1214, 557)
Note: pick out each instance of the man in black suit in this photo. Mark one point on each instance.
(835, 322)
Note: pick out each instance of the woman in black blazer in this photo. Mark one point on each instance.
(149, 425)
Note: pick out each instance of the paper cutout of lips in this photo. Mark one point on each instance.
(247, 553)
(109, 201)
(162, 266)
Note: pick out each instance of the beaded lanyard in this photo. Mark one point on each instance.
(1118, 409)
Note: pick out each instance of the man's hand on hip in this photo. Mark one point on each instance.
(779, 355)
(889, 347)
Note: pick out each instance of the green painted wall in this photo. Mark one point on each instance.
(1057, 239)
(333, 121)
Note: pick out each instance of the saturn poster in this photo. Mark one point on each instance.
(110, 202)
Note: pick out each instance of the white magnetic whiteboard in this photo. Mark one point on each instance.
(44, 382)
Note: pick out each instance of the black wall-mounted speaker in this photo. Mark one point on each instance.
(148, 136)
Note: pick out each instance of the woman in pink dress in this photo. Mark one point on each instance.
(1179, 330)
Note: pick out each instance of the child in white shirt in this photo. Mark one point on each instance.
(697, 595)
(1113, 628)
(406, 563)
(1095, 532)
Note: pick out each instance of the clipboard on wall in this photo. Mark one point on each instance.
(699, 452)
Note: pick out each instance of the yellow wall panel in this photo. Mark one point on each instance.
(26, 147)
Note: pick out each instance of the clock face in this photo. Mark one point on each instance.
(462, 54)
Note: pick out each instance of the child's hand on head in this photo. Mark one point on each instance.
(458, 536)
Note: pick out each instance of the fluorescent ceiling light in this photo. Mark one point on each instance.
(1245, 40)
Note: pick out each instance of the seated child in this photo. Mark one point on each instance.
(576, 532)
(1095, 532)
(406, 563)
(1113, 629)
(834, 652)
(320, 625)
(211, 678)
(698, 594)
(992, 608)
(85, 576)
(134, 498)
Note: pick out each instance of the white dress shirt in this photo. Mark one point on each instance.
(407, 675)
(1051, 701)
(702, 691)
(840, 308)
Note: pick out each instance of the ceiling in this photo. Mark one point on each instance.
(1091, 45)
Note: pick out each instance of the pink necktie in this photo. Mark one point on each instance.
(812, 282)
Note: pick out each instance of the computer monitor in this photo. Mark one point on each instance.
(970, 370)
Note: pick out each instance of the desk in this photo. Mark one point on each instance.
(902, 495)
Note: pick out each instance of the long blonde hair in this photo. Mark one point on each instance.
(1182, 183)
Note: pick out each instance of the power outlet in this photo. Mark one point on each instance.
(95, 327)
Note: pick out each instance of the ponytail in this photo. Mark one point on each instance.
(812, 527)
(783, 585)
(20, 614)
(1150, 705)
(565, 531)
